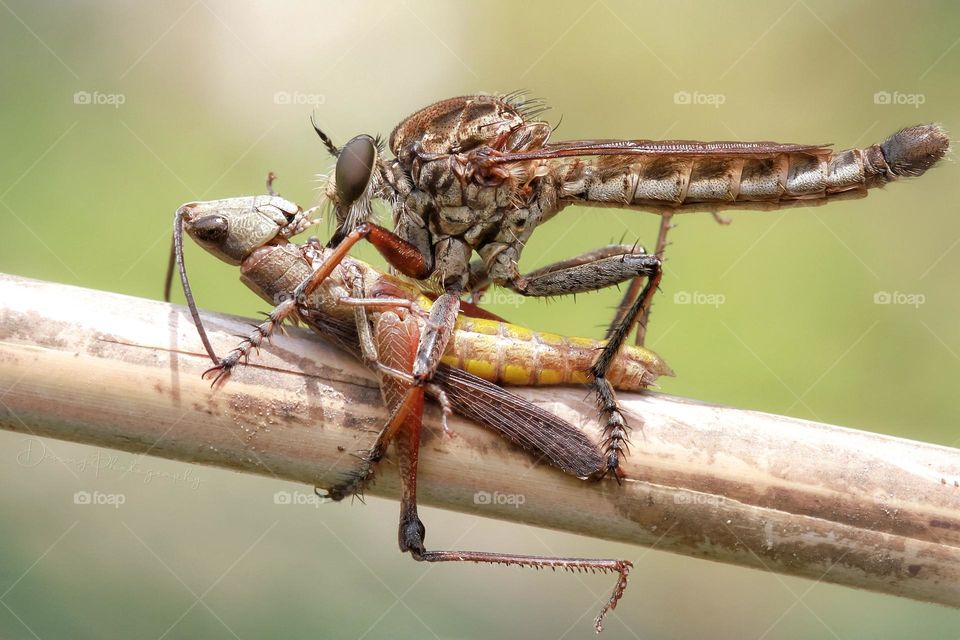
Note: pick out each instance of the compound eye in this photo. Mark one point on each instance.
(212, 229)
(354, 168)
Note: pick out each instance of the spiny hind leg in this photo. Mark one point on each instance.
(370, 335)
(358, 477)
(589, 272)
(411, 533)
(615, 429)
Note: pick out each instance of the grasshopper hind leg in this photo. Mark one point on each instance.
(412, 533)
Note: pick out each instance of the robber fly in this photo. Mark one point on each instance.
(381, 318)
(480, 174)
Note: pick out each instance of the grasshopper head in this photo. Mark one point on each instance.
(233, 228)
(230, 229)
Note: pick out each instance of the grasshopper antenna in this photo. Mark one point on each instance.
(168, 279)
(176, 256)
(327, 142)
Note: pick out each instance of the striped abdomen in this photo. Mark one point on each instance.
(509, 354)
(741, 177)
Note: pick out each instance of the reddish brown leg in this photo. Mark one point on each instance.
(412, 532)
(411, 405)
(392, 345)
(397, 342)
(410, 261)
(402, 255)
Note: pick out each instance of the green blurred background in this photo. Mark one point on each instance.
(215, 94)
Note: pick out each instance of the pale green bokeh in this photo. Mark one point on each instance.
(88, 193)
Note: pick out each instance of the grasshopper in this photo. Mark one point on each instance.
(479, 174)
(381, 319)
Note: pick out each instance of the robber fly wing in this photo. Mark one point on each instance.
(682, 148)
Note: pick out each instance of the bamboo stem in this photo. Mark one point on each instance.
(743, 487)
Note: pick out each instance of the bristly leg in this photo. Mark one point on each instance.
(359, 477)
(261, 332)
(615, 429)
(590, 272)
(603, 565)
(411, 533)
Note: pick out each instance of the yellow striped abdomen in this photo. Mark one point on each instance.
(509, 354)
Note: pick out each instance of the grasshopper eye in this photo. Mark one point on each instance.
(212, 229)
(355, 168)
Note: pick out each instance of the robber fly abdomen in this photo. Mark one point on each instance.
(687, 174)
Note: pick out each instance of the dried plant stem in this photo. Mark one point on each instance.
(743, 487)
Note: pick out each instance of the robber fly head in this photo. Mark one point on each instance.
(230, 229)
(355, 180)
